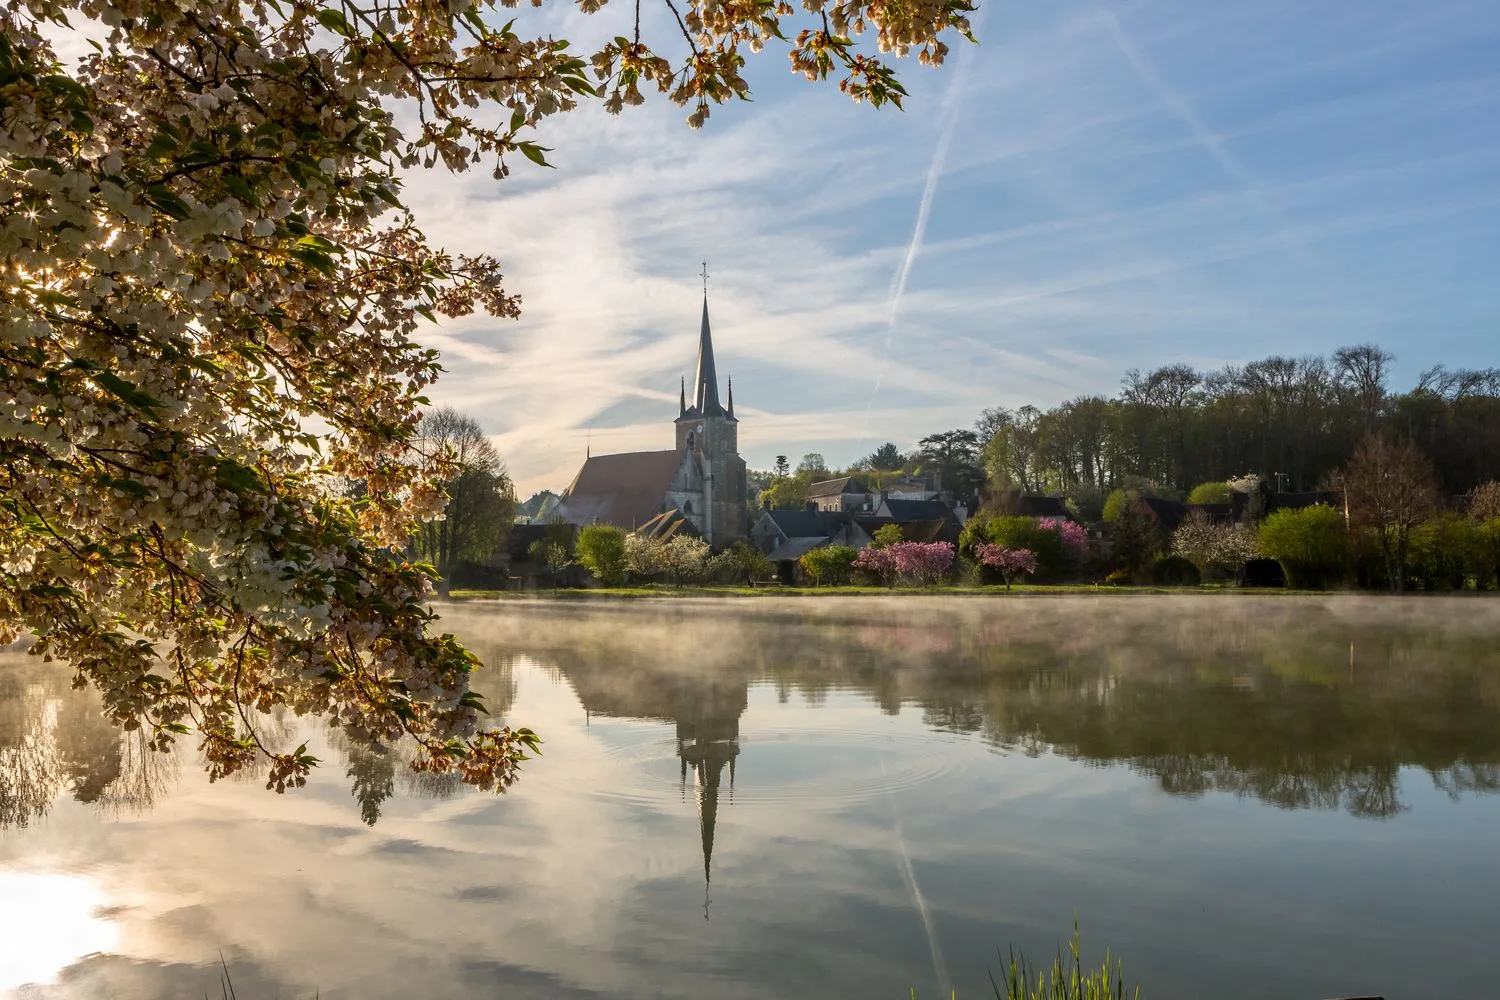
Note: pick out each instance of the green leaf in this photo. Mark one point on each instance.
(166, 200)
(533, 152)
(240, 188)
(335, 21)
(237, 478)
(320, 243)
(127, 393)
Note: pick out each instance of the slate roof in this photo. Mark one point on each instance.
(904, 511)
(796, 548)
(625, 490)
(928, 531)
(1030, 506)
(1219, 513)
(807, 523)
(835, 487)
(1168, 513)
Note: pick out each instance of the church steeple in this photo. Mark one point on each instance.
(706, 382)
(731, 397)
(682, 399)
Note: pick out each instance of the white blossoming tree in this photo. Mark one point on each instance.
(211, 292)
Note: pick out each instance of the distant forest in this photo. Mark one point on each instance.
(1292, 421)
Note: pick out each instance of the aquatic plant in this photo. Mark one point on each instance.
(1066, 979)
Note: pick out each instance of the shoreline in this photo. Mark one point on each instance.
(966, 593)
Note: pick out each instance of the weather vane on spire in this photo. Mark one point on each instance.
(705, 277)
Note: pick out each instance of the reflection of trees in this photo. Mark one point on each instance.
(29, 772)
(372, 771)
(54, 739)
(372, 775)
(1301, 705)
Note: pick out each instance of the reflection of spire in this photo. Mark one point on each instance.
(708, 741)
(708, 775)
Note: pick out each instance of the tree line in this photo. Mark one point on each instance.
(1292, 421)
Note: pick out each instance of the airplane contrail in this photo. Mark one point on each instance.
(1205, 136)
(949, 108)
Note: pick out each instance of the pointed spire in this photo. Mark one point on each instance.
(710, 774)
(731, 397)
(706, 382)
(682, 399)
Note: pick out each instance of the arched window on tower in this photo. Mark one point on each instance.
(687, 506)
(690, 441)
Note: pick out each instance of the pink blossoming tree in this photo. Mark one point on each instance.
(923, 562)
(1009, 563)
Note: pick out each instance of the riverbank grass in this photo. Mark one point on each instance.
(1066, 979)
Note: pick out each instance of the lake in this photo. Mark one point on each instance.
(1242, 796)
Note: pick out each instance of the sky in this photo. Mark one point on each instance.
(1090, 189)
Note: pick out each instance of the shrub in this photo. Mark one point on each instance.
(1217, 550)
(879, 562)
(686, 557)
(601, 550)
(1175, 571)
(645, 557)
(1487, 565)
(1444, 549)
(887, 535)
(740, 563)
(1262, 573)
(1310, 543)
(829, 564)
(1060, 545)
(923, 562)
(1118, 501)
(1210, 493)
(1134, 541)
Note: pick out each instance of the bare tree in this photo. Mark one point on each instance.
(1360, 372)
(481, 499)
(1389, 488)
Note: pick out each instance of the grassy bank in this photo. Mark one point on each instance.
(771, 590)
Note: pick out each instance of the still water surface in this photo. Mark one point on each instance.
(1244, 797)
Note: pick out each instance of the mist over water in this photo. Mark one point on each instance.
(1243, 796)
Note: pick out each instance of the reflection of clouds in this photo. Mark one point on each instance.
(588, 877)
(47, 922)
(1299, 704)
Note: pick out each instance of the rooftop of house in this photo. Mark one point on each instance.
(836, 487)
(669, 524)
(796, 548)
(915, 510)
(806, 523)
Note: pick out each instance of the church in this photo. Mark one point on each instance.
(698, 487)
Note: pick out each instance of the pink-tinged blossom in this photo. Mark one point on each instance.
(878, 560)
(922, 562)
(1075, 537)
(1010, 563)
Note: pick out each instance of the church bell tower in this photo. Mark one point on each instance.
(710, 485)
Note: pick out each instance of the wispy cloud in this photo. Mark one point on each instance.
(1188, 182)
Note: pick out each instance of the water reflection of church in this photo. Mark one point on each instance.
(704, 705)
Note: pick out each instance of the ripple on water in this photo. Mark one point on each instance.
(829, 768)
